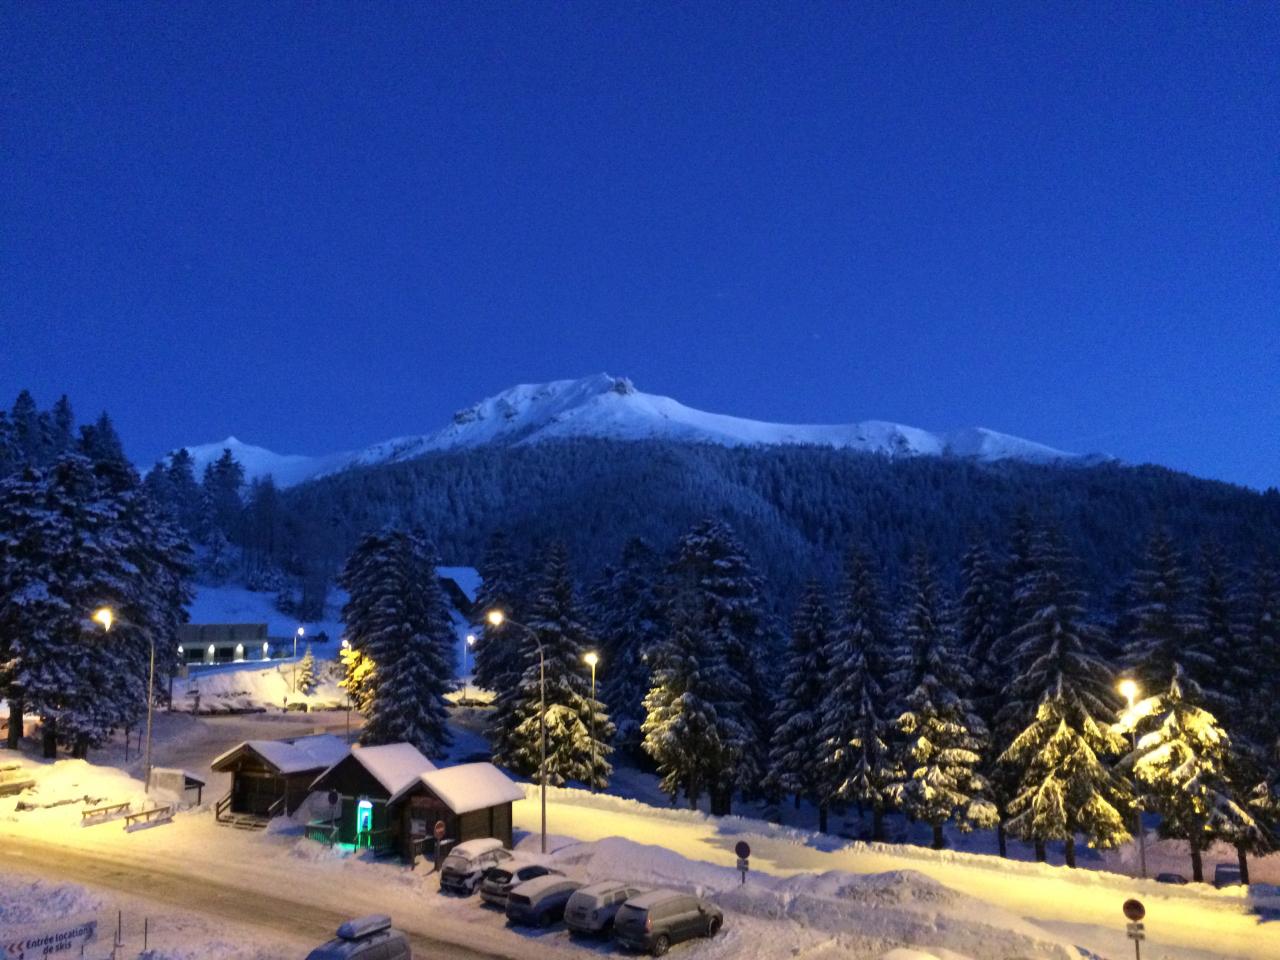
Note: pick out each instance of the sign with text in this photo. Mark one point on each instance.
(61, 938)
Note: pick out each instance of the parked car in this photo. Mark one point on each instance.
(1226, 875)
(592, 908)
(464, 867)
(655, 920)
(1170, 878)
(498, 881)
(366, 938)
(540, 902)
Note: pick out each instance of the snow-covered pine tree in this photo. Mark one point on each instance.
(30, 430)
(1261, 654)
(942, 738)
(398, 619)
(184, 490)
(221, 500)
(1061, 700)
(1182, 763)
(307, 678)
(796, 750)
(984, 616)
(1159, 625)
(856, 763)
(497, 663)
(681, 730)
(9, 458)
(628, 613)
(1217, 638)
(712, 575)
(578, 729)
(99, 441)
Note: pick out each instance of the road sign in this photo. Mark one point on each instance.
(1134, 910)
(61, 937)
(439, 830)
(1136, 931)
(743, 849)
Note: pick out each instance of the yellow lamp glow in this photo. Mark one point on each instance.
(1129, 690)
(471, 639)
(496, 617)
(105, 617)
(591, 658)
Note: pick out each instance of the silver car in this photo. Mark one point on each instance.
(498, 881)
(539, 902)
(592, 908)
(367, 938)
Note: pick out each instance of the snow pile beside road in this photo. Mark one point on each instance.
(65, 787)
(871, 913)
(24, 901)
(249, 688)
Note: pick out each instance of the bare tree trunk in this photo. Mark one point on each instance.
(877, 824)
(1041, 853)
(1071, 851)
(49, 738)
(939, 842)
(1197, 865)
(17, 707)
(1002, 840)
(1243, 857)
(822, 818)
(692, 789)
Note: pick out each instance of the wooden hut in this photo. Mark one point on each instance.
(272, 777)
(366, 789)
(471, 799)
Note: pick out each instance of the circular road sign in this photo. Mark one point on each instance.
(439, 830)
(743, 849)
(333, 798)
(1134, 910)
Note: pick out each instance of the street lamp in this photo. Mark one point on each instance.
(471, 642)
(1129, 690)
(106, 616)
(592, 658)
(497, 618)
(346, 645)
(298, 634)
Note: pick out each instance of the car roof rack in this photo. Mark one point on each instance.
(362, 927)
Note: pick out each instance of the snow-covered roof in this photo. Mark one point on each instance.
(472, 786)
(467, 579)
(299, 755)
(397, 766)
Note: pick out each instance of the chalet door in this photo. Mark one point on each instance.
(254, 793)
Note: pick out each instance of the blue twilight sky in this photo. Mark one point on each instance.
(320, 225)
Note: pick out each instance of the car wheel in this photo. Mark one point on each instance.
(713, 927)
(661, 945)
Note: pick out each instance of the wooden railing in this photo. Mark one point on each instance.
(222, 806)
(322, 831)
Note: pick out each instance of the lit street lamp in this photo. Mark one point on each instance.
(497, 618)
(1129, 690)
(106, 616)
(471, 642)
(592, 658)
(300, 632)
(346, 645)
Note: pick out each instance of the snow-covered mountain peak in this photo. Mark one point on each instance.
(609, 407)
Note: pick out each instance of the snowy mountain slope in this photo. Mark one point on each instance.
(608, 407)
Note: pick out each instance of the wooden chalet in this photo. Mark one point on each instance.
(365, 793)
(273, 777)
(471, 799)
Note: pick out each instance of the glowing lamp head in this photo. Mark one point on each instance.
(471, 639)
(104, 616)
(591, 659)
(302, 631)
(496, 617)
(1129, 690)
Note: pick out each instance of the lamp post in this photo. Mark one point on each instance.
(1129, 690)
(471, 642)
(592, 658)
(498, 618)
(106, 616)
(346, 645)
(300, 632)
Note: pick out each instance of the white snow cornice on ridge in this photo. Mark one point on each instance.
(607, 407)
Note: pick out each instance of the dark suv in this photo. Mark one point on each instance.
(655, 920)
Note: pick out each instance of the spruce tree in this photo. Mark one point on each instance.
(307, 679)
(100, 442)
(1060, 701)
(1182, 762)
(9, 459)
(1217, 640)
(397, 620)
(712, 577)
(796, 751)
(1261, 657)
(578, 729)
(1159, 625)
(497, 667)
(857, 765)
(220, 490)
(942, 739)
(185, 491)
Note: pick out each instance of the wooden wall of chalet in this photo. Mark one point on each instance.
(422, 808)
(256, 786)
(354, 783)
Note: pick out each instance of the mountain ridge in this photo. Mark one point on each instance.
(607, 407)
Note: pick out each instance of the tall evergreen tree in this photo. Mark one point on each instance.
(856, 764)
(63, 425)
(30, 430)
(713, 577)
(578, 729)
(307, 679)
(497, 664)
(1060, 700)
(100, 442)
(942, 737)
(797, 749)
(9, 458)
(397, 621)
(1217, 640)
(1182, 763)
(184, 490)
(1261, 655)
(221, 493)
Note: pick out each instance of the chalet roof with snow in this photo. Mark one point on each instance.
(472, 786)
(396, 766)
(299, 755)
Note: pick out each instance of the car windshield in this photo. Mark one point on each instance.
(626, 913)
(455, 862)
(499, 876)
